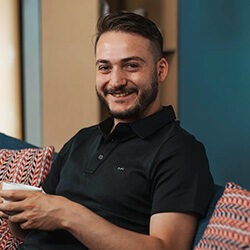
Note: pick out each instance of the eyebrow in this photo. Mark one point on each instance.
(124, 60)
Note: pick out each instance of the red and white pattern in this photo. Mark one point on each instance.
(27, 166)
(229, 226)
(8, 241)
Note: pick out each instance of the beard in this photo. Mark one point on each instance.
(146, 97)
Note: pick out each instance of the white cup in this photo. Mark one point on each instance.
(17, 186)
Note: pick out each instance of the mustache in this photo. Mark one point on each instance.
(119, 89)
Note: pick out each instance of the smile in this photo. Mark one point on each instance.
(121, 94)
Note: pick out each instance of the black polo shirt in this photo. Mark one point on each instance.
(142, 168)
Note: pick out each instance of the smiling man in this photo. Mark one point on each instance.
(137, 180)
(127, 75)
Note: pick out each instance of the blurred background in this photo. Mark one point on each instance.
(47, 72)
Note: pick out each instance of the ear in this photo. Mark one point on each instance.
(162, 69)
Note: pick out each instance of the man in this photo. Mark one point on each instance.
(135, 181)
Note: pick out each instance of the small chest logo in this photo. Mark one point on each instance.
(120, 169)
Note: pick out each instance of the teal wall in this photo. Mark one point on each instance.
(214, 83)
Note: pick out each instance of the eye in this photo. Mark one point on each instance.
(132, 66)
(104, 68)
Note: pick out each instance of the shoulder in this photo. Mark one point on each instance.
(84, 133)
(181, 152)
(179, 140)
(81, 136)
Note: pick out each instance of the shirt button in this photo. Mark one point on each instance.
(100, 157)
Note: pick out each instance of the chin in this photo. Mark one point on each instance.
(121, 108)
(117, 108)
(125, 114)
(118, 113)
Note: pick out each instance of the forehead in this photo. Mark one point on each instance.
(116, 45)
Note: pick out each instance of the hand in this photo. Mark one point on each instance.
(2, 214)
(34, 210)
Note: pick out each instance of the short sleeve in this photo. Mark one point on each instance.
(181, 180)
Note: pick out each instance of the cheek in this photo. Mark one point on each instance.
(142, 81)
(143, 76)
(136, 78)
(100, 82)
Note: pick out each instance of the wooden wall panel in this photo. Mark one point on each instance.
(10, 89)
(68, 68)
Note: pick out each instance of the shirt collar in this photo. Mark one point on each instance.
(106, 125)
(144, 127)
(150, 124)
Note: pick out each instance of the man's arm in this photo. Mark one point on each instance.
(51, 212)
(167, 231)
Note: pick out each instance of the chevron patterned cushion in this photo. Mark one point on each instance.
(229, 226)
(28, 166)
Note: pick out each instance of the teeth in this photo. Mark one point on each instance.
(121, 94)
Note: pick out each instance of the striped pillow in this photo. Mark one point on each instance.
(27, 166)
(229, 226)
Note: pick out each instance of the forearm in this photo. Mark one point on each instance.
(97, 233)
(17, 231)
(40, 211)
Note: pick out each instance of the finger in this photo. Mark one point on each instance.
(18, 218)
(11, 207)
(15, 194)
(26, 225)
(3, 215)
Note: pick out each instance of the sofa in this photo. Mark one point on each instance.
(10, 143)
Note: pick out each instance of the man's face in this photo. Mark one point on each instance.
(126, 76)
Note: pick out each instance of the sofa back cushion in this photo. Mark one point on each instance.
(13, 143)
(218, 191)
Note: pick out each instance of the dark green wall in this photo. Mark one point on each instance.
(214, 83)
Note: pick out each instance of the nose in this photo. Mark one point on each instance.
(117, 77)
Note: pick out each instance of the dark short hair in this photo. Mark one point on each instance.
(131, 23)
